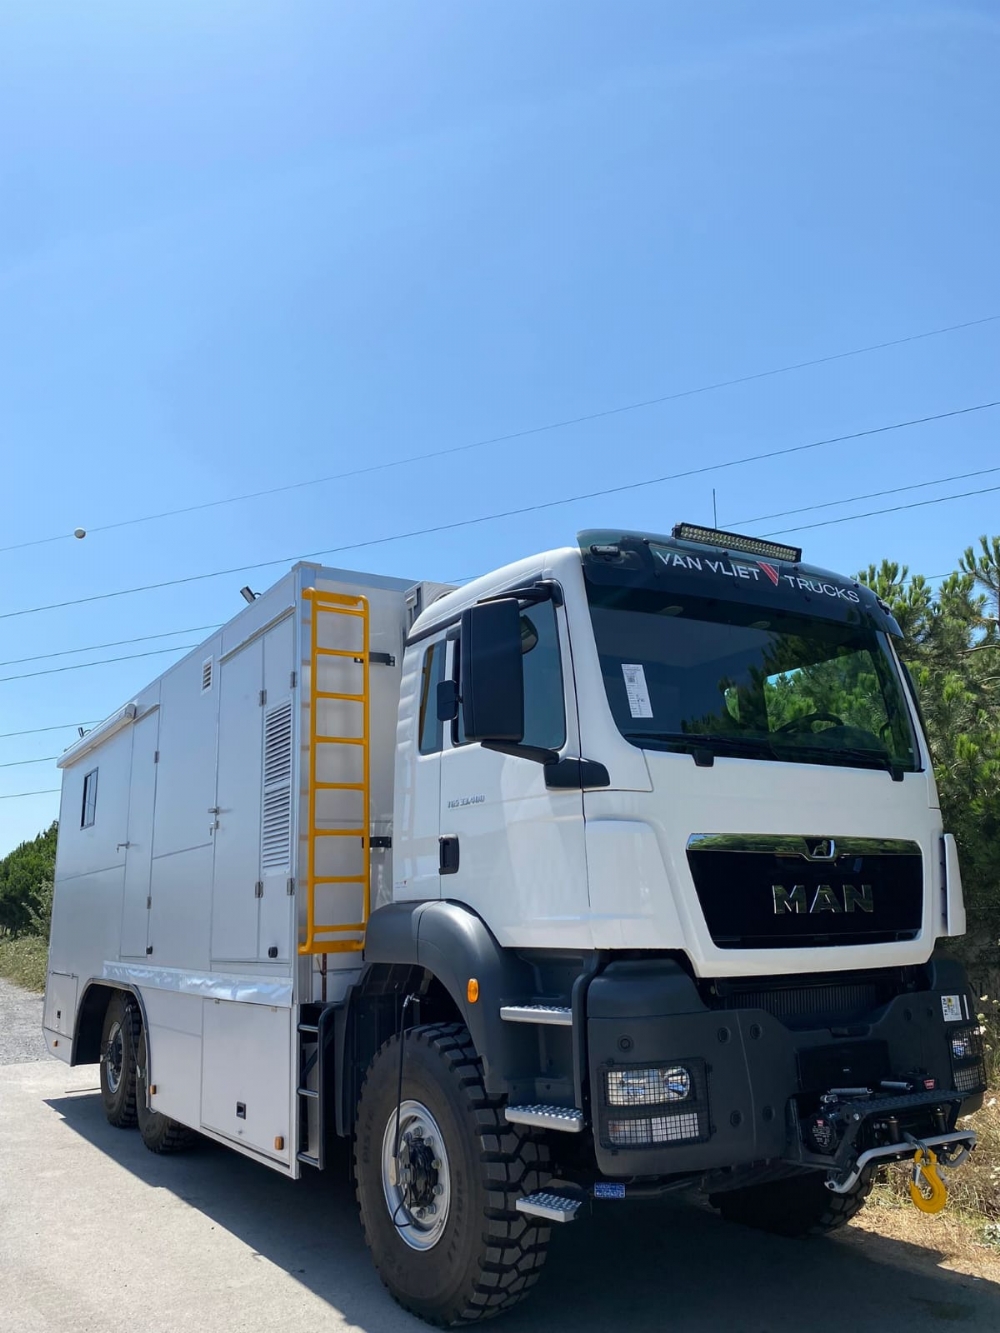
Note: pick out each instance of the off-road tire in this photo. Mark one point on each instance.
(796, 1206)
(489, 1255)
(120, 1102)
(159, 1133)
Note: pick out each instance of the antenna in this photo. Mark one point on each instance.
(715, 512)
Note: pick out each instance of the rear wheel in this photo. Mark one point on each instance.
(159, 1133)
(119, 1038)
(439, 1215)
(796, 1206)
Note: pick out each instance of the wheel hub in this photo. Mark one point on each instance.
(416, 1178)
(114, 1057)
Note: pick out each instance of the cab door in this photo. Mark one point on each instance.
(417, 814)
(512, 841)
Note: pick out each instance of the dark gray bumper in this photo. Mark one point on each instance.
(747, 1065)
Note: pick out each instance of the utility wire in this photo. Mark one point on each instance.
(35, 731)
(19, 763)
(16, 795)
(894, 509)
(101, 661)
(508, 513)
(871, 495)
(521, 434)
(115, 643)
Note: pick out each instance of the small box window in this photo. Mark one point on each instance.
(89, 811)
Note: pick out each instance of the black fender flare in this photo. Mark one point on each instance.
(454, 945)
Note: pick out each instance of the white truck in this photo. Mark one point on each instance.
(618, 871)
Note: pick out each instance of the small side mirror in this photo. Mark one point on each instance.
(492, 677)
(447, 701)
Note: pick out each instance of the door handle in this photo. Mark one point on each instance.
(448, 854)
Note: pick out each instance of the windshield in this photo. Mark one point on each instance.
(699, 673)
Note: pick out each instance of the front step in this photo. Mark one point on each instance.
(565, 1118)
(552, 1015)
(551, 1207)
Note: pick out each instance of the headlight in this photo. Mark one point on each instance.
(648, 1087)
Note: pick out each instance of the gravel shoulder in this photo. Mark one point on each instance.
(21, 1040)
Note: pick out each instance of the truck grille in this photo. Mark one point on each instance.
(760, 892)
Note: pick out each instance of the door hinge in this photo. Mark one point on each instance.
(263, 698)
(149, 902)
(293, 680)
(290, 887)
(156, 756)
(149, 950)
(258, 889)
(381, 659)
(380, 841)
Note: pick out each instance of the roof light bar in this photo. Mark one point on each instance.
(733, 541)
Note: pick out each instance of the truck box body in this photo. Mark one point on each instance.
(185, 833)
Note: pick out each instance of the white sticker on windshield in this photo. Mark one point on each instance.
(951, 1008)
(635, 688)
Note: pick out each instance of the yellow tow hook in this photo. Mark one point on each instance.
(927, 1190)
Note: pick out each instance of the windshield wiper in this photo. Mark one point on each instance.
(704, 746)
(872, 758)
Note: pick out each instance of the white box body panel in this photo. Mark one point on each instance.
(187, 886)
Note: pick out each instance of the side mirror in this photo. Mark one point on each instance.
(492, 677)
(447, 701)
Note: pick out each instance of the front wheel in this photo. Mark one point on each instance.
(796, 1206)
(438, 1210)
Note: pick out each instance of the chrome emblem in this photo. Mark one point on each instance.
(824, 850)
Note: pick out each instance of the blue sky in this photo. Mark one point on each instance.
(248, 244)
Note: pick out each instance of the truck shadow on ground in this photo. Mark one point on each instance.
(641, 1267)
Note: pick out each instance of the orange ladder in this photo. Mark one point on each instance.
(321, 938)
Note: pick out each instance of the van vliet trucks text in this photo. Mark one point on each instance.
(618, 871)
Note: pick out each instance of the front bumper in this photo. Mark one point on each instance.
(754, 1075)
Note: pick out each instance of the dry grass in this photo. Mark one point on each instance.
(24, 960)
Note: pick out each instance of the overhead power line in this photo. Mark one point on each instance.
(563, 424)
(508, 513)
(101, 661)
(893, 509)
(870, 495)
(16, 795)
(115, 643)
(20, 763)
(36, 731)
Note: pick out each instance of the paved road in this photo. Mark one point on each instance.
(20, 1025)
(97, 1234)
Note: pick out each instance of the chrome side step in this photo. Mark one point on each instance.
(551, 1207)
(552, 1015)
(565, 1118)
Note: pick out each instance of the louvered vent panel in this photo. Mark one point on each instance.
(206, 675)
(276, 815)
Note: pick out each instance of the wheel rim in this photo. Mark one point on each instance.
(417, 1183)
(114, 1059)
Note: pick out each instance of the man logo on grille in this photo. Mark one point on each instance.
(826, 898)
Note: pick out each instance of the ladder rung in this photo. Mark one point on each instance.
(339, 786)
(324, 930)
(553, 1015)
(308, 1092)
(341, 740)
(332, 694)
(309, 1027)
(552, 1207)
(339, 879)
(339, 832)
(357, 653)
(331, 946)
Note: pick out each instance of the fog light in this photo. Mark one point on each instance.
(962, 1046)
(655, 1129)
(648, 1087)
